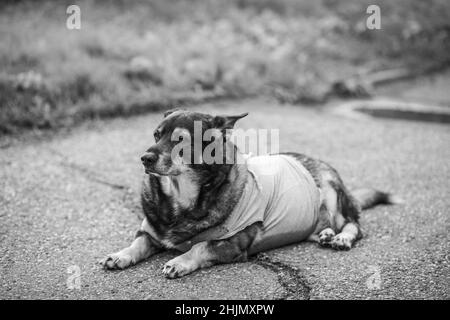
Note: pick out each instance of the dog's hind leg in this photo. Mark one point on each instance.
(207, 253)
(323, 233)
(338, 216)
(348, 235)
(346, 219)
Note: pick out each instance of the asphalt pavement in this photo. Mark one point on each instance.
(68, 200)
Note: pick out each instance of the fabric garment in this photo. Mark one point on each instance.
(281, 194)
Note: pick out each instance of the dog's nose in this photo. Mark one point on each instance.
(149, 158)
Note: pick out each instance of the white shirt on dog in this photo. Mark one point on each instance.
(281, 194)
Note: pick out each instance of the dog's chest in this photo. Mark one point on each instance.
(182, 189)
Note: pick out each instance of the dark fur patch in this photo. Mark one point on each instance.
(235, 248)
(347, 205)
(153, 242)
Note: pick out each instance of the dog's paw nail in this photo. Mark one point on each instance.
(170, 271)
(176, 268)
(116, 261)
(104, 262)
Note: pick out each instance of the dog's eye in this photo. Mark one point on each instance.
(157, 135)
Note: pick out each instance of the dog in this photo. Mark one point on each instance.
(226, 210)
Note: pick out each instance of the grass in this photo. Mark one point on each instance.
(138, 56)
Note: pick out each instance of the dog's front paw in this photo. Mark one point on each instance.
(118, 260)
(342, 241)
(177, 267)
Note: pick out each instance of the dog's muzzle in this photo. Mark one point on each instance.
(149, 159)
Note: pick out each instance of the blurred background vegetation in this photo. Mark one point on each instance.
(137, 56)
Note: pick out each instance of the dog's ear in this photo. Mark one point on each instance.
(168, 112)
(227, 122)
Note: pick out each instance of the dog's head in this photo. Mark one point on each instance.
(180, 141)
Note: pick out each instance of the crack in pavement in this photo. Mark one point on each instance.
(66, 162)
(129, 197)
(290, 278)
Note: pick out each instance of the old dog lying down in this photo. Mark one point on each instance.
(223, 211)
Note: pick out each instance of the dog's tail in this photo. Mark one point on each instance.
(368, 198)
